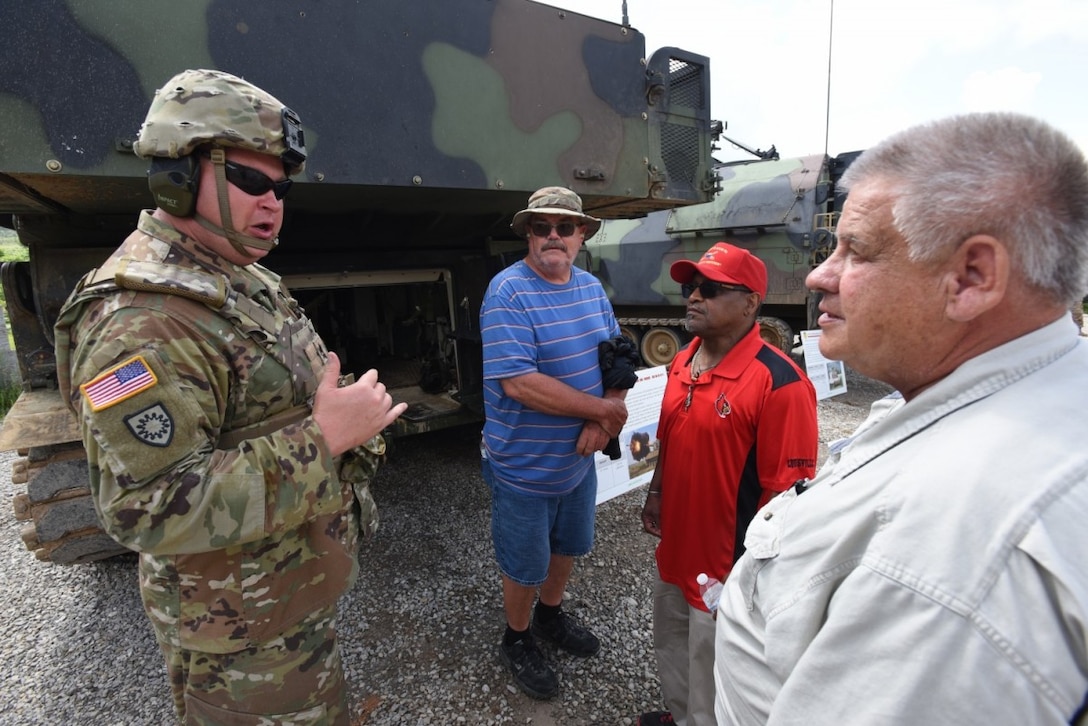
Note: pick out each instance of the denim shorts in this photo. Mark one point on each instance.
(526, 531)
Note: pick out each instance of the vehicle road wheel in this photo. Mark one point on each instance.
(776, 332)
(659, 346)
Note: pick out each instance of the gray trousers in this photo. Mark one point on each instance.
(684, 645)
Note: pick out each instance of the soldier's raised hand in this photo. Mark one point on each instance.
(352, 415)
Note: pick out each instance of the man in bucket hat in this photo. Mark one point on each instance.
(737, 426)
(547, 412)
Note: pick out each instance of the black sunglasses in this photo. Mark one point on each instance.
(710, 289)
(543, 229)
(253, 182)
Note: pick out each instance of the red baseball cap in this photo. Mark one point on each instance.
(725, 263)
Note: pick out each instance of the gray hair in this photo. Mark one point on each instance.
(1007, 175)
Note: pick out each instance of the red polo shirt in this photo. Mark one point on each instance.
(748, 432)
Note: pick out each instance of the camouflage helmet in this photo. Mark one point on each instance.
(198, 107)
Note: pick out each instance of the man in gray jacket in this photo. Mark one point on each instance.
(933, 571)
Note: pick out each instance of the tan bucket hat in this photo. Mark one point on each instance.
(555, 200)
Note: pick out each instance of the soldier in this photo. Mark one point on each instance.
(220, 446)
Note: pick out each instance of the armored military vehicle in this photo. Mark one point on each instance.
(782, 210)
(427, 124)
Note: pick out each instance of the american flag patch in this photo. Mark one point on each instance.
(118, 383)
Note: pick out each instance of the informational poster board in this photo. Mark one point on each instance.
(828, 376)
(638, 440)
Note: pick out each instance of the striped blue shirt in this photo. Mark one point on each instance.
(531, 325)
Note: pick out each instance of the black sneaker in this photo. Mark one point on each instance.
(532, 673)
(565, 632)
(656, 718)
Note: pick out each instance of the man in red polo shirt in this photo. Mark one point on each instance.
(737, 426)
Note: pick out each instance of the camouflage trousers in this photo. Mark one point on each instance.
(293, 680)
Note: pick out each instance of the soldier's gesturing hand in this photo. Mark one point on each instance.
(352, 415)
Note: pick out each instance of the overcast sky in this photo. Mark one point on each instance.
(893, 64)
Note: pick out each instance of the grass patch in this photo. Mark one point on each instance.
(8, 394)
(10, 246)
(11, 250)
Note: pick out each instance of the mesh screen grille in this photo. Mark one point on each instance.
(685, 84)
(679, 150)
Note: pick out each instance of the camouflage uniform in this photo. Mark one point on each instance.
(192, 379)
(236, 545)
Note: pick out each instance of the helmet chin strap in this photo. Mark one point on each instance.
(237, 240)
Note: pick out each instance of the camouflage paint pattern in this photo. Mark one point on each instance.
(775, 209)
(454, 97)
(427, 125)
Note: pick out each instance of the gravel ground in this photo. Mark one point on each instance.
(419, 631)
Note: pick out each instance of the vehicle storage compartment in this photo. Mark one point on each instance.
(401, 323)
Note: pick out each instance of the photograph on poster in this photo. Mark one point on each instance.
(828, 376)
(638, 439)
(835, 379)
(641, 450)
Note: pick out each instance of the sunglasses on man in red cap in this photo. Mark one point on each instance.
(708, 289)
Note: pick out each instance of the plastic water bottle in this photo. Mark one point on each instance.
(711, 590)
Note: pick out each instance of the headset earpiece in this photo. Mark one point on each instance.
(173, 184)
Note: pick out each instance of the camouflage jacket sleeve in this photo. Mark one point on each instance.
(153, 393)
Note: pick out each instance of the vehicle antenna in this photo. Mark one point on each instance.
(827, 109)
